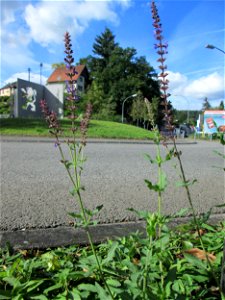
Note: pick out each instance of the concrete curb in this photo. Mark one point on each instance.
(29, 139)
(64, 236)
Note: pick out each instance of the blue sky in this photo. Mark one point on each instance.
(32, 33)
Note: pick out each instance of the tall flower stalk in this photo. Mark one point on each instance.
(162, 51)
(161, 47)
(74, 166)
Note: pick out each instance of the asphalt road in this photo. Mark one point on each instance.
(35, 186)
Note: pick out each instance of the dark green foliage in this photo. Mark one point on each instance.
(180, 116)
(5, 104)
(117, 73)
(221, 106)
(72, 272)
(206, 105)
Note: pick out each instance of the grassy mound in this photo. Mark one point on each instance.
(97, 129)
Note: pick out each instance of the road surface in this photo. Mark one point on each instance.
(35, 186)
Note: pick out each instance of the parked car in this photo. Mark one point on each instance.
(187, 129)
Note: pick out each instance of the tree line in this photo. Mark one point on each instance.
(116, 73)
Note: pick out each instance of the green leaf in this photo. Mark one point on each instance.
(181, 213)
(170, 154)
(222, 138)
(162, 184)
(33, 284)
(76, 294)
(40, 297)
(187, 183)
(87, 287)
(111, 252)
(152, 186)
(75, 215)
(148, 157)
(178, 287)
(168, 289)
(97, 209)
(194, 261)
(113, 283)
(53, 287)
(103, 295)
(5, 294)
(73, 192)
(200, 278)
(159, 159)
(220, 205)
(187, 245)
(143, 214)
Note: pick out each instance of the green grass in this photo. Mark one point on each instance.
(97, 129)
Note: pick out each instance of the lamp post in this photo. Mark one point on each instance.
(41, 65)
(132, 96)
(29, 74)
(214, 47)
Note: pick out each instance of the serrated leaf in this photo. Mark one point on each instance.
(103, 295)
(181, 213)
(143, 214)
(194, 261)
(111, 253)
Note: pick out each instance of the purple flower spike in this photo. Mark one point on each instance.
(161, 48)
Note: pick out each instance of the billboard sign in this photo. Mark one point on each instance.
(214, 121)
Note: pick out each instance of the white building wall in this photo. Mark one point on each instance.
(57, 89)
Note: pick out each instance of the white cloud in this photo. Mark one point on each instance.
(188, 93)
(211, 86)
(47, 22)
(23, 75)
(177, 82)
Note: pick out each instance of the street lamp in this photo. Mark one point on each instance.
(132, 96)
(214, 47)
(41, 65)
(29, 74)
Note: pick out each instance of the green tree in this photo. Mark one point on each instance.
(104, 45)
(221, 106)
(206, 105)
(58, 65)
(119, 73)
(139, 112)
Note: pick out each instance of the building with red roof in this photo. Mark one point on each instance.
(56, 82)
